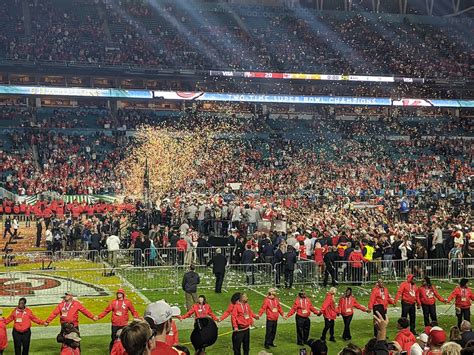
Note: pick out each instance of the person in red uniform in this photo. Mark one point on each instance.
(427, 295)
(330, 311)
(272, 308)
(242, 320)
(228, 312)
(201, 309)
(69, 309)
(172, 338)
(303, 308)
(22, 318)
(462, 295)
(3, 334)
(408, 291)
(347, 303)
(120, 308)
(117, 348)
(356, 263)
(379, 301)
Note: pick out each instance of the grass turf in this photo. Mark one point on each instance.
(153, 281)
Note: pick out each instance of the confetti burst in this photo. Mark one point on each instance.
(178, 161)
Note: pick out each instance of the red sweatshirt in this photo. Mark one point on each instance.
(172, 338)
(407, 291)
(329, 309)
(117, 348)
(120, 309)
(356, 259)
(242, 316)
(462, 296)
(380, 296)
(66, 350)
(347, 305)
(406, 339)
(3, 334)
(228, 312)
(303, 307)
(23, 319)
(272, 308)
(426, 295)
(200, 311)
(69, 312)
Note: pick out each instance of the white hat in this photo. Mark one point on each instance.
(160, 312)
(423, 337)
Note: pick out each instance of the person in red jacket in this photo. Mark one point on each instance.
(427, 295)
(69, 309)
(228, 312)
(242, 320)
(272, 308)
(303, 308)
(120, 308)
(404, 336)
(181, 248)
(462, 295)
(117, 348)
(172, 338)
(379, 301)
(330, 311)
(408, 293)
(201, 309)
(22, 318)
(3, 334)
(356, 263)
(347, 303)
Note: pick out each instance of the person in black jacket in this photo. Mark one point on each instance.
(248, 258)
(39, 231)
(330, 266)
(278, 260)
(190, 281)
(289, 259)
(218, 263)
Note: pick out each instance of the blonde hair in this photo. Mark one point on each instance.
(451, 348)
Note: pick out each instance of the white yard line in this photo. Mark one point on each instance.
(130, 286)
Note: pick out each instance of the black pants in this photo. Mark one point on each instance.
(219, 281)
(356, 275)
(329, 271)
(115, 329)
(241, 338)
(303, 325)
(429, 313)
(21, 340)
(38, 239)
(347, 327)
(9, 231)
(383, 312)
(409, 311)
(277, 276)
(270, 332)
(289, 278)
(328, 325)
(465, 313)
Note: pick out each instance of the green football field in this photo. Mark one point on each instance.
(145, 286)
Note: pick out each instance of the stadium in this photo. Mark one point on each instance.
(236, 176)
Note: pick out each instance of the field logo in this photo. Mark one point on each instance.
(42, 289)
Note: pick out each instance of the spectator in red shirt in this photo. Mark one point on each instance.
(233, 300)
(120, 307)
(272, 308)
(404, 336)
(462, 295)
(347, 303)
(356, 263)
(159, 316)
(242, 320)
(330, 311)
(22, 318)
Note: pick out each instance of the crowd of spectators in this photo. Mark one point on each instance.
(170, 35)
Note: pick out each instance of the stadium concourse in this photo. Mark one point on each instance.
(246, 162)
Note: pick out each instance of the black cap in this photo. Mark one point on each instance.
(463, 282)
(318, 347)
(204, 333)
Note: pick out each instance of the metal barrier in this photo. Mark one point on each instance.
(173, 256)
(436, 269)
(305, 272)
(389, 270)
(238, 275)
(124, 257)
